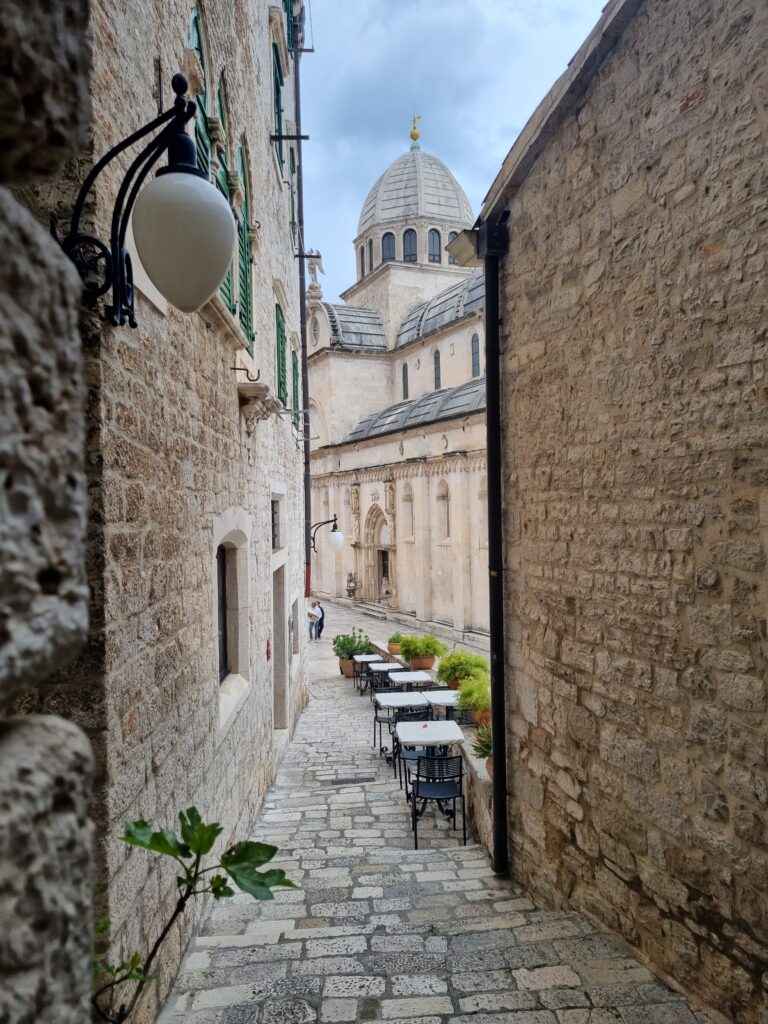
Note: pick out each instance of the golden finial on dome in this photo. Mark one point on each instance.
(415, 133)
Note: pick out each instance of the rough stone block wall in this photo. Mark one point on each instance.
(636, 509)
(45, 763)
(169, 455)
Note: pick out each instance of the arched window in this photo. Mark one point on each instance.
(202, 138)
(438, 380)
(452, 259)
(443, 511)
(244, 257)
(407, 511)
(409, 246)
(388, 246)
(435, 254)
(405, 381)
(370, 255)
(362, 261)
(475, 356)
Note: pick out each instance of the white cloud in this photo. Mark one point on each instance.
(474, 69)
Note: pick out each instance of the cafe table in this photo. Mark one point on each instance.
(401, 700)
(447, 698)
(398, 675)
(378, 668)
(428, 734)
(359, 663)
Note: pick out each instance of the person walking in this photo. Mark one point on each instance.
(321, 620)
(313, 616)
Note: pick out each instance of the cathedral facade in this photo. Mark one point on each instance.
(397, 403)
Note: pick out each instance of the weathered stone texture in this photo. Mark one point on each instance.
(45, 871)
(635, 434)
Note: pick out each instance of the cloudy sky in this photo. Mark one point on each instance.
(474, 69)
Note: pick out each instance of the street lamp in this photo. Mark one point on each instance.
(183, 227)
(335, 537)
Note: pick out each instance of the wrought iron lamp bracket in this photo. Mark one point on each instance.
(103, 266)
(316, 526)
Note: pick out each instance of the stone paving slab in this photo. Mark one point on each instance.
(378, 931)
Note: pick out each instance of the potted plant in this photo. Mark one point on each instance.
(459, 665)
(345, 645)
(393, 644)
(482, 746)
(420, 651)
(475, 696)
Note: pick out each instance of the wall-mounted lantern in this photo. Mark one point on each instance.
(335, 537)
(183, 227)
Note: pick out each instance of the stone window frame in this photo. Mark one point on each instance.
(233, 530)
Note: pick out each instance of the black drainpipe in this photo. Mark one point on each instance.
(297, 49)
(492, 244)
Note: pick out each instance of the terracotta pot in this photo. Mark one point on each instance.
(481, 717)
(422, 663)
(347, 667)
(453, 684)
(393, 648)
(489, 766)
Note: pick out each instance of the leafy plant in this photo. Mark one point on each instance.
(482, 744)
(239, 864)
(421, 647)
(396, 638)
(347, 644)
(475, 691)
(460, 665)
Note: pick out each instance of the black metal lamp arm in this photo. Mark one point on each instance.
(316, 526)
(101, 267)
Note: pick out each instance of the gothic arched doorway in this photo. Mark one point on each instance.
(379, 558)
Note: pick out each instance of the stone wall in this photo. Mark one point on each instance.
(636, 509)
(45, 763)
(180, 460)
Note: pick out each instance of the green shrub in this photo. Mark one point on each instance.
(475, 692)
(482, 744)
(396, 638)
(459, 665)
(421, 647)
(347, 644)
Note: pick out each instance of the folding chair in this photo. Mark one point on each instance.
(437, 780)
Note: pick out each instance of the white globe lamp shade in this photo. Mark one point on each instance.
(336, 540)
(185, 237)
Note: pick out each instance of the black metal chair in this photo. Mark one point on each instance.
(401, 754)
(379, 682)
(437, 780)
(384, 716)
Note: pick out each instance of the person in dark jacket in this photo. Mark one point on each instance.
(321, 620)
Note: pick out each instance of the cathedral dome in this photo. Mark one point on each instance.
(417, 184)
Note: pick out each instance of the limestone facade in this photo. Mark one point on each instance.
(46, 860)
(636, 511)
(194, 479)
(397, 410)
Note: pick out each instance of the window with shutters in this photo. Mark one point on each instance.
(281, 355)
(227, 286)
(244, 257)
(409, 246)
(295, 400)
(435, 255)
(277, 96)
(202, 136)
(289, 23)
(475, 356)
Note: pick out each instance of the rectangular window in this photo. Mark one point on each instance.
(475, 356)
(281, 357)
(221, 584)
(277, 89)
(276, 525)
(295, 400)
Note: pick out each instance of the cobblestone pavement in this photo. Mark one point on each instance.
(379, 932)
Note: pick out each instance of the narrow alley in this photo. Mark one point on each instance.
(377, 931)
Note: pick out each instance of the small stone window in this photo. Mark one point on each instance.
(409, 246)
(362, 261)
(438, 375)
(388, 247)
(405, 381)
(370, 255)
(276, 530)
(223, 603)
(452, 259)
(475, 356)
(435, 252)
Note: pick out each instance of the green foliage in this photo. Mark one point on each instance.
(347, 644)
(460, 665)
(482, 744)
(396, 638)
(475, 691)
(239, 864)
(421, 647)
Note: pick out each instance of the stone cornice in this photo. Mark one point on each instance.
(457, 462)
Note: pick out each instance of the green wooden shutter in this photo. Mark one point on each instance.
(296, 400)
(288, 8)
(202, 138)
(281, 360)
(244, 258)
(294, 224)
(277, 88)
(227, 286)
